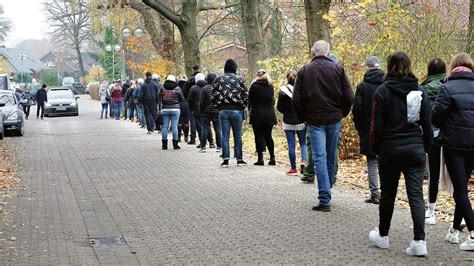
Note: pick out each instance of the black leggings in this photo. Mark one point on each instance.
(40, 106)
(26, 110)
(263, 137)
(434, 161)
(460, 165)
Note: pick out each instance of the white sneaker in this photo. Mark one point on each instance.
(378, 240)
(417, 248)
(452, 237)
(467, 245)
(430, 218)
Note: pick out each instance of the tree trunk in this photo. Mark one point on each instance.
(470, 33)
(189, 36)
(77, 47)
(317, 27)
(253, 34)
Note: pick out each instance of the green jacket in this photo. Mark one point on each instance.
(431, 85)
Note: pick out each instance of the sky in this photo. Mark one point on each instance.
(28, 20)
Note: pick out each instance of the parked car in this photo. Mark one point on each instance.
(4, 82)
(79, 87)
(12, 113)
(61, 101)
(67, 81)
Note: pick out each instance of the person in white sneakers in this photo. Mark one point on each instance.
(400, 135)
(453, 113)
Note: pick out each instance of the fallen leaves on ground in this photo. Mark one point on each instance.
(8, 178)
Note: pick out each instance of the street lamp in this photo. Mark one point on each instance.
(127, 33)
(113, 49)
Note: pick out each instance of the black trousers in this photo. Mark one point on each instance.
(263, 138)
(26, 110)
(434, 161)
(206, 134)
(40, 106)
(150, 110)
(409, 160)
(460, 165)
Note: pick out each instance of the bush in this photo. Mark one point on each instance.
(49, 77)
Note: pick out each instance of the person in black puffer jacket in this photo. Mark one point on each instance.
(292, 125)
(262, 115)
(401, 134)
(362, 113)
(190, 82)
(209, 114)
(193, 103)
(149, 98)
(453, 113)
(169, 100)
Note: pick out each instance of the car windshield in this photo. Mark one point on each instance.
(60, 94)
(3, 83)
(8, 99)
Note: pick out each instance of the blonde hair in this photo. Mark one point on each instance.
(263, 75)
(461, 59)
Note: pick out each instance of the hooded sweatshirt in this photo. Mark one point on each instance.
(205, 101)
(391, 125)
(230, 91)
(170, 96)
(194, 95)
(362, 108)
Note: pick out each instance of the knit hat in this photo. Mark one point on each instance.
(199, 77)
(210, 78)
(171, 78)
(230, 66)
(372, 62)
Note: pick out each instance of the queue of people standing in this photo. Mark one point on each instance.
(399, 122)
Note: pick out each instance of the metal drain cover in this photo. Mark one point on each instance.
(107, 241)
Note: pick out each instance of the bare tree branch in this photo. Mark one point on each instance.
(165, 11)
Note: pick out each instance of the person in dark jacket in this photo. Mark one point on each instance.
(209, 114)
(27, 99)
(149, 99)
(435, 79)
(125, 86)
(230, 97)
(130, 102)
(169, 98)
(193, 103)
(292, 125)
(453, 113)
(186, 89)
(322, 97)
(183, 127)
(401, 134)
(262, 115)
(41, 98)
(138, 105)
(362, 114)
(158, 119)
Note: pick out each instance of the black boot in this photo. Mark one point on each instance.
(260, 159)
(165, 144)
(175, 145)
(272, 161)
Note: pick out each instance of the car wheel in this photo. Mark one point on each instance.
(1, 136)
(21, 131)
(76, 114)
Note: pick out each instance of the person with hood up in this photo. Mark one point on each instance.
(27, 101)
(400, 135)
(453, 113)
(432, 84)
(292, 125)
(41, 98)
(149, 99)
(362, 114)
(262, 115)
(209, 114)
(193, 103)
(230, 97)
(169, 99)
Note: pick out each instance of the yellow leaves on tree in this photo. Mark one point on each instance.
(96, 73)
(4, 69)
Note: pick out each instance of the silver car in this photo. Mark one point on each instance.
(61, 102)
(12, 113)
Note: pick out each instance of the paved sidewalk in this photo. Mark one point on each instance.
(85, 178)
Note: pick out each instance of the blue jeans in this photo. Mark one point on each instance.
(231, 119)
(173, 118)
(140, 114)
(117, 108)
(324, 140)
(291, 140)
(206, 134)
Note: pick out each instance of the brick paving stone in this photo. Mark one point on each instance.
(83, 177)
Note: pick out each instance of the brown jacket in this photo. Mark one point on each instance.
(322, 93)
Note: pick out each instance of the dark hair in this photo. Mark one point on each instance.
(44, 86)
(436, 66)
(196, 67)
(148, 74)
(291, 77)
(399, 65)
